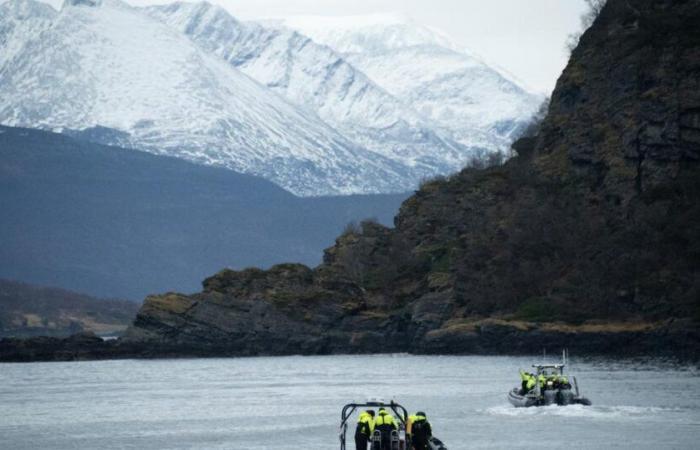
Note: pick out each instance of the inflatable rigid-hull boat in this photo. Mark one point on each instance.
(561, 397)
(555, 391)
(399, 438)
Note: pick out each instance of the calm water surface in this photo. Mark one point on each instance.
(295, 402)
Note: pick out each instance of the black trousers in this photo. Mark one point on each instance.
(361, 441)
(420, 444)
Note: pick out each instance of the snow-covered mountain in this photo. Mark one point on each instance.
(424, 68)
(351, 111)
(104, 63)
(315, 77)
(19, 19)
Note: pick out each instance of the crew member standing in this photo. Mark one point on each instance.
(385, 423)
(364, 430)
(528, 382)
(421, 431)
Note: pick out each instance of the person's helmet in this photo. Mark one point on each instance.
(370, 412)
(382, 410)
(421, 413)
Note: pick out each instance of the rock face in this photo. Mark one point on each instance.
(589, 238)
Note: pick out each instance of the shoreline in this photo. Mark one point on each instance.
(669, 341)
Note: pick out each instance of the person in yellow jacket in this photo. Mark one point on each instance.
(563, 382)
(542, 380)
(385, 424)
(364, 430)
(528, 382)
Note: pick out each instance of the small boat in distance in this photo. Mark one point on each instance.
(551, 387)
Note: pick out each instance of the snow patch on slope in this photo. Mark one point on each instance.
(422, 66)
(317, 78)
(113, 66)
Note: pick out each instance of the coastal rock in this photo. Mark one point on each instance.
(596, 221)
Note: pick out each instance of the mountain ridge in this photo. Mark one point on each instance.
(439, 78)
(178, 100)
(193, 82)
(317, 78)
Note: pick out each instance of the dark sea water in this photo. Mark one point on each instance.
(295, 403)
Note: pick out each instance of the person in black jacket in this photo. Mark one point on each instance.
(421, 431)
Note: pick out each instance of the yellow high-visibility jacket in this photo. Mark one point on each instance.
(365, 424)
(384, 418)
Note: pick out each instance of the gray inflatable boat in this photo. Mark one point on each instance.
(399, 438)
(550, 393)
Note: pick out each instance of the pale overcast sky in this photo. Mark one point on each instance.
(524, 37)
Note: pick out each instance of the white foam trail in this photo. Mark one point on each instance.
(593, 412)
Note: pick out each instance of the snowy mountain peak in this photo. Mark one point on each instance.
(116, 67)
(364, 105)
(349, 22)
(369, 33)
(316, 78)
(438, 78)
(195, 11)
(88, 3)
(26, 9)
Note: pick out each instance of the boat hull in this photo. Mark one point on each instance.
(436, 444)
(528, 400)
(521, 401)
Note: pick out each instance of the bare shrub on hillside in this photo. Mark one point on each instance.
(352, 228)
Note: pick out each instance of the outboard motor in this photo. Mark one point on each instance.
(376, 440)
(550, 397)
(566, 397)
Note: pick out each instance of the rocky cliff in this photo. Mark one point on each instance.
(589, 238)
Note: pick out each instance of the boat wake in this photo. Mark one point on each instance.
(592, 412)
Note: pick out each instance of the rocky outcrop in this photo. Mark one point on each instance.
(587, 239)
